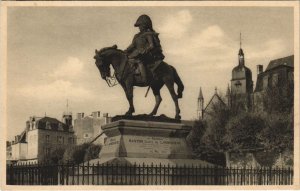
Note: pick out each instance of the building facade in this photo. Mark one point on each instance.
(41, 136)
(87, 128)
(279, 75)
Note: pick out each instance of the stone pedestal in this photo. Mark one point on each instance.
(147, 142)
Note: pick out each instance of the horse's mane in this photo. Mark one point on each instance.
(112, 48)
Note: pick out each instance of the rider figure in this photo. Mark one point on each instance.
(145, 48)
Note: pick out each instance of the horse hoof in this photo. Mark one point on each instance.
(152, 114)
(178, 117)
(179, 95)
(128, 114)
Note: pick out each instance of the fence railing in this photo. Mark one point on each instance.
(120, 174)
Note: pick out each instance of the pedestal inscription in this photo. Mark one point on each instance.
(146, 142)
(141, 139)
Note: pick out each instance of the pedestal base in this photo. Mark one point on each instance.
(146, 142)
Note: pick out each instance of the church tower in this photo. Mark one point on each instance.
(200, 105)
(241, 82)
(67, 116)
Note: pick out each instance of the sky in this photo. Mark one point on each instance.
(51, 49)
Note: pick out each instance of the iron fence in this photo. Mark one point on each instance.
(120, 174)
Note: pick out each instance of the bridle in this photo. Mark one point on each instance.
(112, 80)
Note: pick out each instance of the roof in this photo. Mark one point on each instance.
(273, 66)
(54, 124)
(241, 68)
(211, 100)
(241, 72)
(200, 94)
(285, 61)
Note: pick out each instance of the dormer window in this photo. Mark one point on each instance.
(60, 127)
(48, 125)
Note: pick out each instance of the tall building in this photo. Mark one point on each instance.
(87, 128)
(278, 74)
(241, 84)
(41, 136)
(200, 106)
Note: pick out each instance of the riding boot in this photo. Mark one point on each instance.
(143, 72)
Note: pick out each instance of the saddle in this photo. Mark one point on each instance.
(150, 71)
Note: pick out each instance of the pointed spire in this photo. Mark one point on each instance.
(67, 105)
(216, 90)
(200, 94)
(240, 40)
(241, 53)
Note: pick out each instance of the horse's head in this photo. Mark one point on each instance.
(104, 58)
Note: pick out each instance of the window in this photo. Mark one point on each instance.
(48, 125)
(86, 135)
(60, 127)
(265, 82)
(70, 140)
(47, 138)
(274, 80)
(59, 139)
(47, 151)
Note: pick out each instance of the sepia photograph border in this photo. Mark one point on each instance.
(3, 90)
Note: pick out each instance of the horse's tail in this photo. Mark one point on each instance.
(180, 86)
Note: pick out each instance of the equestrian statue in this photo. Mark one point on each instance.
(141, 64)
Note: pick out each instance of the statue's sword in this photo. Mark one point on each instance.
(147, 91)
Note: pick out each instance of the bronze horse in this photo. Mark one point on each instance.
(164, 75)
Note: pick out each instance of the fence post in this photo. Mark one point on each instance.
(216, 175)
(73, 173)
(11, 174)
(260, 176)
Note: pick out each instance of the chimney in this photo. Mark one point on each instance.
(260, 69)
(106, 118)
(96, 114)
(80, 115)
(27, 125)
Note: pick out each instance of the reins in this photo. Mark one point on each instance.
(112, 81)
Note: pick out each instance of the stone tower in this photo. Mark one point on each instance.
(241, 83)
(67, 116)
(200, 107)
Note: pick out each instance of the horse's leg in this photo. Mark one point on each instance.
(129, 96)
(128, 88)
(156, 91)
(170, 85)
